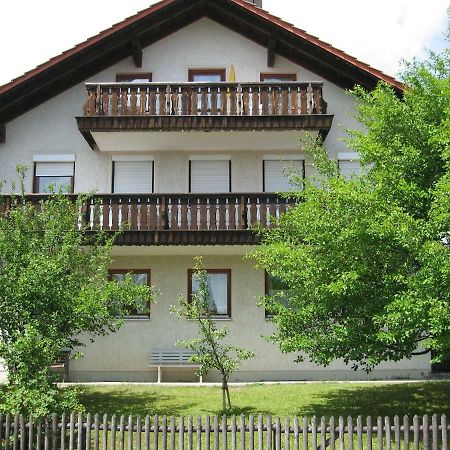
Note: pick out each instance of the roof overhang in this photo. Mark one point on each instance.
(165, 18)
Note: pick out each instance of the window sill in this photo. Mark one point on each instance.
(137, 318)
(215, 318)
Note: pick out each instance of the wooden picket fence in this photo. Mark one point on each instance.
(93, 432)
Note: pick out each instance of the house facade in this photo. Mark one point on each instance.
(182, 119)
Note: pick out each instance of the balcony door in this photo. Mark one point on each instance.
(276, 174)
(210, 176)
(133, 177)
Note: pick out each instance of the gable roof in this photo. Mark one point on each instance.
(164, 18)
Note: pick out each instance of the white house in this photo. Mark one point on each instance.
(181, 118)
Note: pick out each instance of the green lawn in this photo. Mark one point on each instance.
(319, 399)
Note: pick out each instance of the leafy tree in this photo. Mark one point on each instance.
(367, 259)
(208, 349)
(53, 287)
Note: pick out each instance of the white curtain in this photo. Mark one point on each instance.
(218, 292)
(218, 287)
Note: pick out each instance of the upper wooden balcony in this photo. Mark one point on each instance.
(176, 219)
(259, 106)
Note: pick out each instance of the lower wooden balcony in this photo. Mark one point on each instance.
(179, 219)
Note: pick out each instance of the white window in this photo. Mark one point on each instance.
(349, 164)
(349, 168)
(207, 176)
(53, 177)
(133, 177)
(276, 174)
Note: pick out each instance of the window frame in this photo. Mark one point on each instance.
(148, 272)
(213, 271)
(128, 77)
(37, 178)
(267, 315)
(221, 72)
(206, 159)
(282, 160)
(132, 160)
(281, 76)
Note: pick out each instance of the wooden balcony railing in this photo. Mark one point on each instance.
(202, 99)
(175, 212)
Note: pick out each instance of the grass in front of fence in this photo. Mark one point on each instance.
(316, 399)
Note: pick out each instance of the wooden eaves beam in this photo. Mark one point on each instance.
(2, 133)
(271, 48)
(137, 52)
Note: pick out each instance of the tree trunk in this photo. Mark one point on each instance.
(224, 400)
(226, 392)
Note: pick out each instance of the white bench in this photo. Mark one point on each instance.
(172, 358)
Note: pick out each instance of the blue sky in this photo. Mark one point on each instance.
(379, 33)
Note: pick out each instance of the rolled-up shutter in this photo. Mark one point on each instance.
(349, 168)
(276, 175)
(210, 176)
(133, 177)
(54, 169)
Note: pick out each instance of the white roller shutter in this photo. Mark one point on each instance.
(276, 175)
(54, 169)
(349, 168)
(210, 176)
(133, 177)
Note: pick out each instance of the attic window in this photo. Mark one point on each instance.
(205, 75)
(278, 77)
(144, 77)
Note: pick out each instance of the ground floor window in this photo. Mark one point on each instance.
(279, 289)
(219, 286)
(140, 277)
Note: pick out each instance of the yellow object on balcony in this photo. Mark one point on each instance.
(232, 74)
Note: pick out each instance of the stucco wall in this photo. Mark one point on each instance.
(51, 127)
(125, 354)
